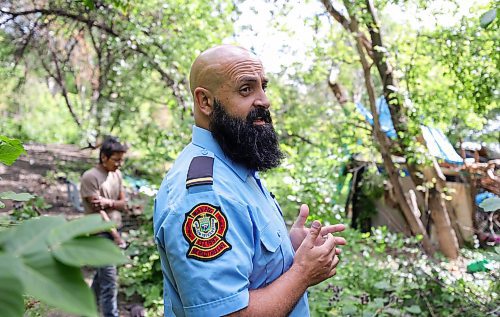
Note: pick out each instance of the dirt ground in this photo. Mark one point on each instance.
(44, 172)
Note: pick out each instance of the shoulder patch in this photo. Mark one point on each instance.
(201, 171)
(205, 228)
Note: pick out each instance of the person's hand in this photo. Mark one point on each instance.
(315, 263)
(298, 231)
(121, 243)
(101, 203)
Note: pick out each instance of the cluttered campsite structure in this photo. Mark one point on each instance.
(469, 178)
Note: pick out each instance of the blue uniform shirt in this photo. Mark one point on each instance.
(218, 241)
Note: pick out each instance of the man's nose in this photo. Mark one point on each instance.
(262, 100)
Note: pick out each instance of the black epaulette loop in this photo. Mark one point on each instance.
(201, 171)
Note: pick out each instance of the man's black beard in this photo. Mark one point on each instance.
(254, 146)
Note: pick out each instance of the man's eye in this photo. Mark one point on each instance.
(245, 89)
(264, 87)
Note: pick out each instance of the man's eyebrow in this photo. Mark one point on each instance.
(247, 79)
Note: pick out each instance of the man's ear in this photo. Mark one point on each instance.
(203, 100)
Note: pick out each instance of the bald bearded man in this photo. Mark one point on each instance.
(222, 240)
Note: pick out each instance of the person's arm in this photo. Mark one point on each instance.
(114, 233)
(101, 203)
(312, 264)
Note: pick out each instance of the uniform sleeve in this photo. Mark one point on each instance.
(209, 243)
(89, 185)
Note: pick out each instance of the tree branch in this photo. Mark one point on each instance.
(347, 25)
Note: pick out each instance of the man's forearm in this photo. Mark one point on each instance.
(114, 233)
(278, 298)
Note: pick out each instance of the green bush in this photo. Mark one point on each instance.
(385, 274)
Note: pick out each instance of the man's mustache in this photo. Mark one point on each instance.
(259, 113)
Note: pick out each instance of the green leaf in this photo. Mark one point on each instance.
(414, 309)
(16, 197)
(379, 302)
(2, 205)
(93, 251)
(349, 309)
(82, 226)
(30, 236)
(57, 284)
(382, 285)
(10, 149)
(488, 17)
(11, 288)
(490, 204)
(89, 4)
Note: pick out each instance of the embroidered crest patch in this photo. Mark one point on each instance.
(205, 228)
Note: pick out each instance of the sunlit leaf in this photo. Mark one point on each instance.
(16, 196)
(10, 149)
(488, 17)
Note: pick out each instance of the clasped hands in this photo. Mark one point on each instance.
(316, 255)
(101, 203)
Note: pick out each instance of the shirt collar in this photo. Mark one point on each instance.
(204, 139)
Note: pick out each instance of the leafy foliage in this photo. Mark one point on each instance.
(43, 256)
(385, 274)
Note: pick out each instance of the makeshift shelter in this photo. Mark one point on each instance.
(460, 180)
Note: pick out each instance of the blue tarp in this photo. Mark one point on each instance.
(384, 116)
(437, 143)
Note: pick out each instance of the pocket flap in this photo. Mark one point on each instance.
(271, 237)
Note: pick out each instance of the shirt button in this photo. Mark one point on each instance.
(204, 152)
(278, 233)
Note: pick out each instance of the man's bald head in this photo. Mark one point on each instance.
(215, 74)
(210, 68)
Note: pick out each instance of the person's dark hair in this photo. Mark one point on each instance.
(111, 145)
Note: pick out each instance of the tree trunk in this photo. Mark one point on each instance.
(415, 223)
(375, 49)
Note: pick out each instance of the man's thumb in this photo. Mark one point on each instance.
(314, 231)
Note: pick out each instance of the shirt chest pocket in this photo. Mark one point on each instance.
(271, 238)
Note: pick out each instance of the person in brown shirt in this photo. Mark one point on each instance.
(101, 189)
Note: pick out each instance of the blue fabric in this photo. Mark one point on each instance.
(482, 196)
(105, 290)
(384, 116)
(260, 252)
(439, 145)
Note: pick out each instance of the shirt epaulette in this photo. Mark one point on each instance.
(201, 171)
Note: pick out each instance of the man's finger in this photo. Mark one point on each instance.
(332, 229)
(329, 244)
(313, 233)
(302, 217)
(340, 241)
(335, 262)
